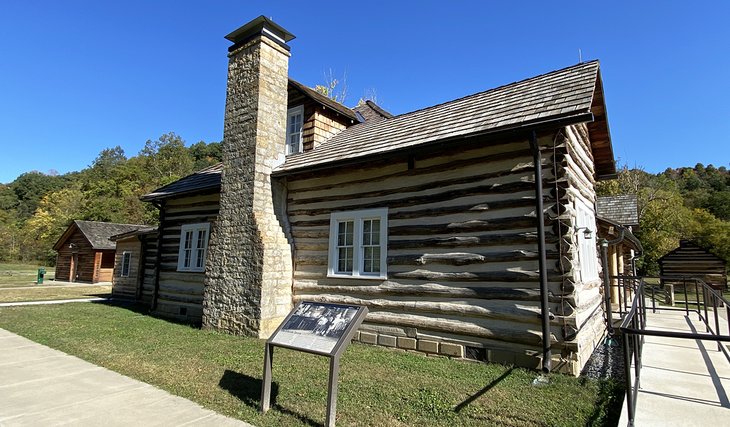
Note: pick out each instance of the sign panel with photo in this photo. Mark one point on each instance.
(315, 327)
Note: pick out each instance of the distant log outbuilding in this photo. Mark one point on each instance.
(690, 260)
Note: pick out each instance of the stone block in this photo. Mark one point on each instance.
(387, 340)
(368, 338)
(428, 346)
(356, 337)
(407, 343)
(452, 350)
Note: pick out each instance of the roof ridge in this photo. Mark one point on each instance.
(515, 83)
(107, 222)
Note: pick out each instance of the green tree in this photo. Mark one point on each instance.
(166, 159)
(205, 155)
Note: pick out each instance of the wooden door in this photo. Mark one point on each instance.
(74, 267)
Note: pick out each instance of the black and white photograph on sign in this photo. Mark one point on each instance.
(316, 326)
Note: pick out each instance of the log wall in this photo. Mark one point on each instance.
(127, 287)
(574, 164)
(180, 294)
(147, 268)
(86, 259)
(690, 260)
(462, 251)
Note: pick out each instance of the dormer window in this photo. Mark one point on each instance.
(294, 121)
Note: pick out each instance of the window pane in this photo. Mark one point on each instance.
(344, 264)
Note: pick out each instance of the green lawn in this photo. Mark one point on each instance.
(45, 293)
(377, 386)
(15, 275)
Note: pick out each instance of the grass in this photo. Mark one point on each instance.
(377, 386)
(45, 293)
(15, 275)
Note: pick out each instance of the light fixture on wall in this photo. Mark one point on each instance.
(587, 232)
(72, 246)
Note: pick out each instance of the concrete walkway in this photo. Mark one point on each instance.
(684, 382)
(40, 386)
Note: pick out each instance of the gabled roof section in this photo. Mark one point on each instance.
(566, 95)
(133, 233)
(691, 249)
(622, 209)
(203, 180)
(97, 233)
(323, 100)
(371, 112)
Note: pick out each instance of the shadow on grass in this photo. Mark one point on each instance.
(144, 309)
(248, 390)
(478, 394)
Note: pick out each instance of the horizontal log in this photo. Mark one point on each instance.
(520, 202)
(492, 309)
(423, 199)
(467, 258)
(516, 334)
(467, 241)
(494, 276)
(426, 289)
(451, 258)
(435, 184)
(362, 176)
(464, 226)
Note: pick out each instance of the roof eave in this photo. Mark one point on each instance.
(600, 135)
(154, 198)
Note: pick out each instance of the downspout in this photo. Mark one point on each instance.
(158, 259)
(540, 217)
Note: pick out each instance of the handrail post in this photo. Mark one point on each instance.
(704, 301)
(715, 304)
(699, 307)
(686, 298)
(627, 372)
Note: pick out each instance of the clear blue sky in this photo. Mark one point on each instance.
(80, 76)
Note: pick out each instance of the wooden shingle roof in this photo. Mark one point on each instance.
(567, 93)
(206, 179)
(623, 209)
(97, 233)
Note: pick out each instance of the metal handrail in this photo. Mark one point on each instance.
(634, 330)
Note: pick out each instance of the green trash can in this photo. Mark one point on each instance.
(41, 275)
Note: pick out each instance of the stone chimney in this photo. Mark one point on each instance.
(248, 274)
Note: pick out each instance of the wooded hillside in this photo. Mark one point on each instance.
(683, 203)
(37, 207)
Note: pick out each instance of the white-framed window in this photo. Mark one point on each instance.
(126, 263)
(587, 252)
(193, 247)
(358, 244)
(294, 124)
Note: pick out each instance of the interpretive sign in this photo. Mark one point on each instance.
(315, 327)
(319, 328)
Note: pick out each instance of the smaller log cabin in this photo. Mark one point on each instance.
(85, 253)
(129, 262)
(618, 219)
(690, 260)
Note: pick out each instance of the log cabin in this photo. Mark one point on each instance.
(130, 262)
(85, 253)
(690, 260)
(460, 226)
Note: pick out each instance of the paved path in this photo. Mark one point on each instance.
(56, 284)
(684, 382)
(40, 386)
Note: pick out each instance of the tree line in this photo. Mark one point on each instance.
(36, 208)
(684, 203)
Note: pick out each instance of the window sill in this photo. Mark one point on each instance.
(349, 276)
(188, 270)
